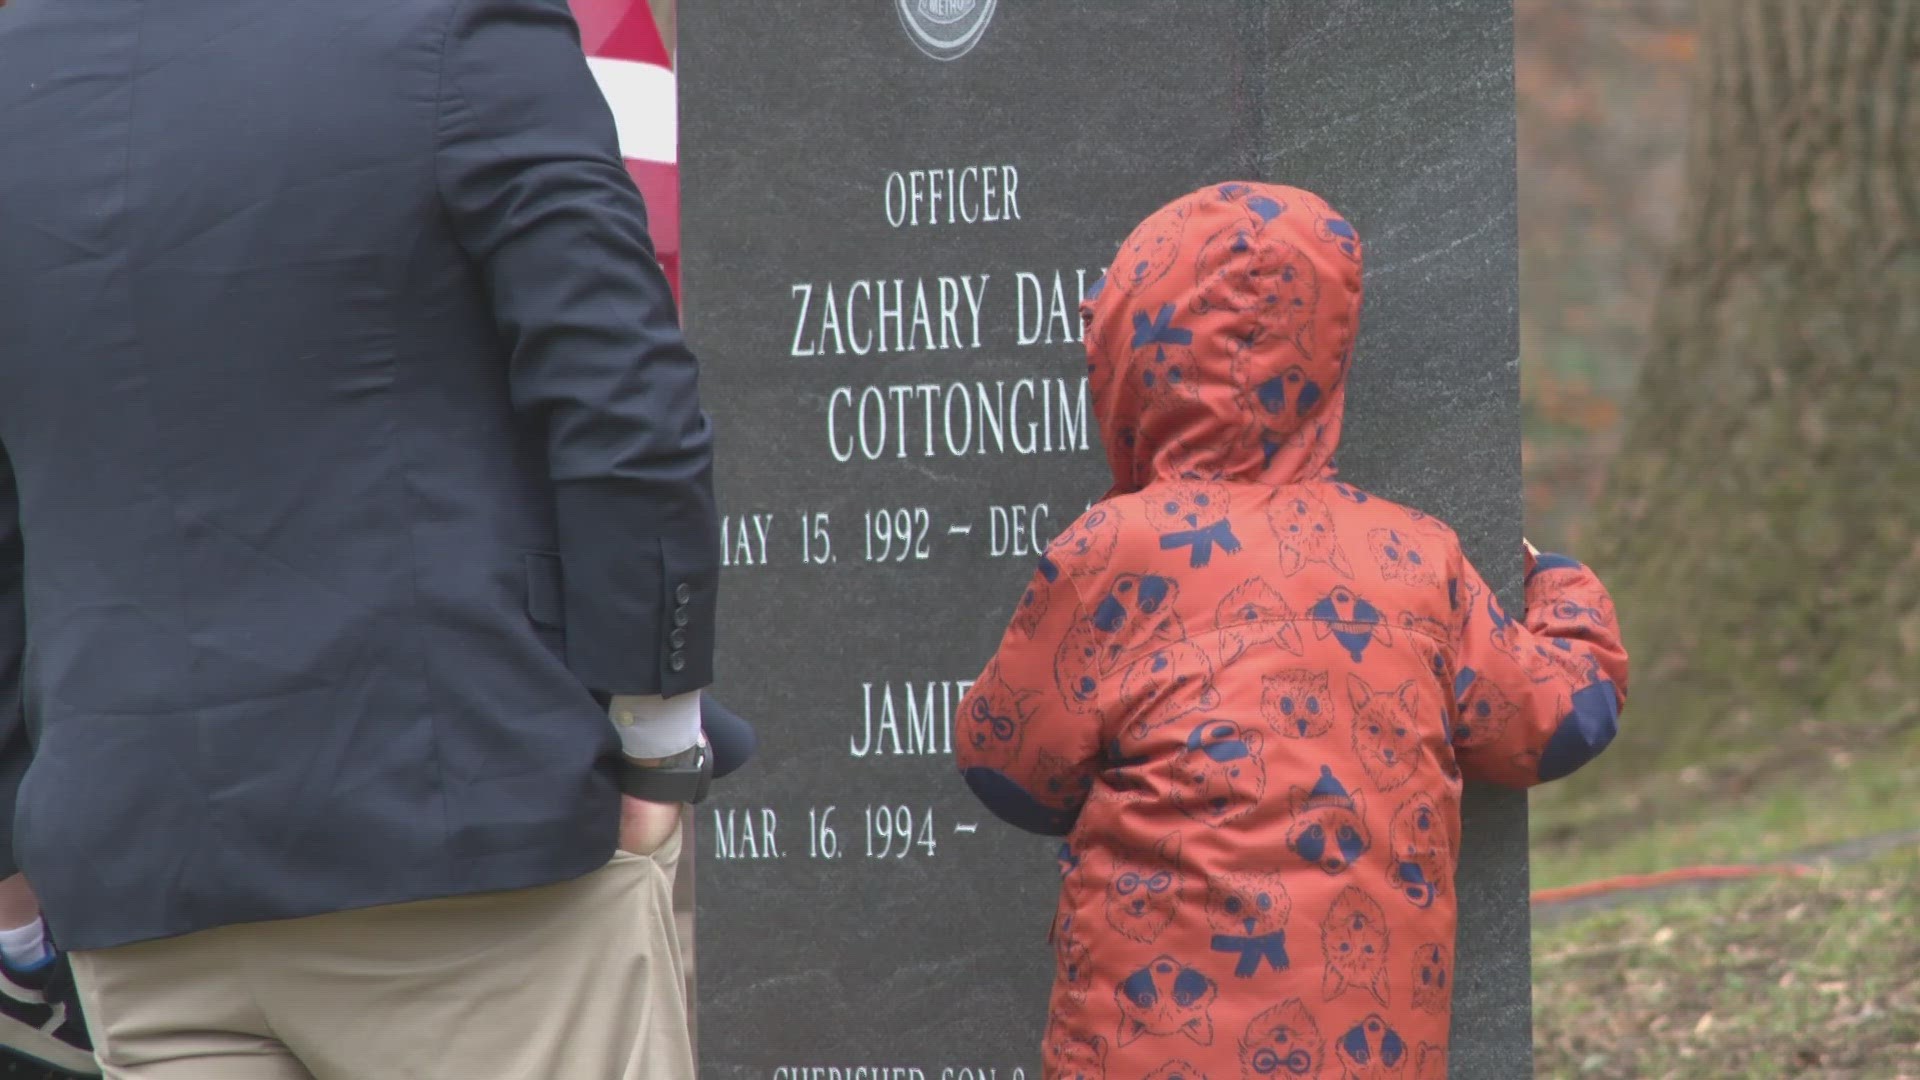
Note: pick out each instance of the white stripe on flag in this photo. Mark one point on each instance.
(645, 107)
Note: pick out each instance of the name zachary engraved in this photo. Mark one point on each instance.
(879, 316)
(875, 316)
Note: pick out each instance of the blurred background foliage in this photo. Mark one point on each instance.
(1603, 90)
(1720, 338)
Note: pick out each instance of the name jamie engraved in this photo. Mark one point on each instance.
(896, 719)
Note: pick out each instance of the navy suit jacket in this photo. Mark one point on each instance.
(351, 447)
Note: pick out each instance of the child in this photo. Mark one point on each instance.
(1247, 693)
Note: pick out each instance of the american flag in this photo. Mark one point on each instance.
(634, 68)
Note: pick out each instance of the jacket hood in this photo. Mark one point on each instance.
(1218, 342)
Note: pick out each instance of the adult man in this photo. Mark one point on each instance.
(356, 458)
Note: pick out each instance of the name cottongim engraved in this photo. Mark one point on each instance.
(946, 29)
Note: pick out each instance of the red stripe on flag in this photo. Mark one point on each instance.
(659, 184)
(625, 30)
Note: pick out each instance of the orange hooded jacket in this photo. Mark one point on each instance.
(1247, 693)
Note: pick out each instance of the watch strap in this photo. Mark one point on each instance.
(683, 781)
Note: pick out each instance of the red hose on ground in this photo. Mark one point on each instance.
(1681, 876)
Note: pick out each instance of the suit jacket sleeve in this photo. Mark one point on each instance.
(530, 172)
(15, 751)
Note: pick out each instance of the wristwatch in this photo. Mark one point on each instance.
(682, 778)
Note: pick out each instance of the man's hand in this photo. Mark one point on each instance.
(646, 826)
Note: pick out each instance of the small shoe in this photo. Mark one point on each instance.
(40, 1019)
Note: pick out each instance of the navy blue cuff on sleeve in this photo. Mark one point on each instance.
(640, 607)
(1012, 804)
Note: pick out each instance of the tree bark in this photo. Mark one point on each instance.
(1761, 524)
(665, 15)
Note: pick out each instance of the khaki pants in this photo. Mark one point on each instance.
(577, 981)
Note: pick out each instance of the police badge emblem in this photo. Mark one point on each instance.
(945, 29)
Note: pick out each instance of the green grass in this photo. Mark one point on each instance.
(1721, 812)
(1798, 977)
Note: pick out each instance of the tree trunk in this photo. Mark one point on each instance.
(666, 17)
(1761, 525)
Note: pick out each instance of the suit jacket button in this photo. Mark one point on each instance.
(677, 639)
(681, 593)
(677, 661)
(680, 616)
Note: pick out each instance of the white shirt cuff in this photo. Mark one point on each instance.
(651, 726)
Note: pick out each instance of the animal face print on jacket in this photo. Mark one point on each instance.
(1087, 542)
(1354, 938)
(1423, 855)
(994, 721)
(1485, 711)
(1220, 775)
(1167, 684)
(1282, 1043)
(1371, 1050)
(1147, 255)
(1177, 1069)
(1326, 826)
(1288, 674)
(1432, 978)
(1163, 363)
(1306, 532)
(1386, 731)
(1254, 614)
(1430, 1062)
(1249, 914)
(1139, 612)
(1275, 282)
(1297, 703)
(1166, 997)
(1073, 1058)
(1144, 892)
(1194, 518)
(1403, 557)
(1135, 615)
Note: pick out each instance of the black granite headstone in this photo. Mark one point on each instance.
(890, 211)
